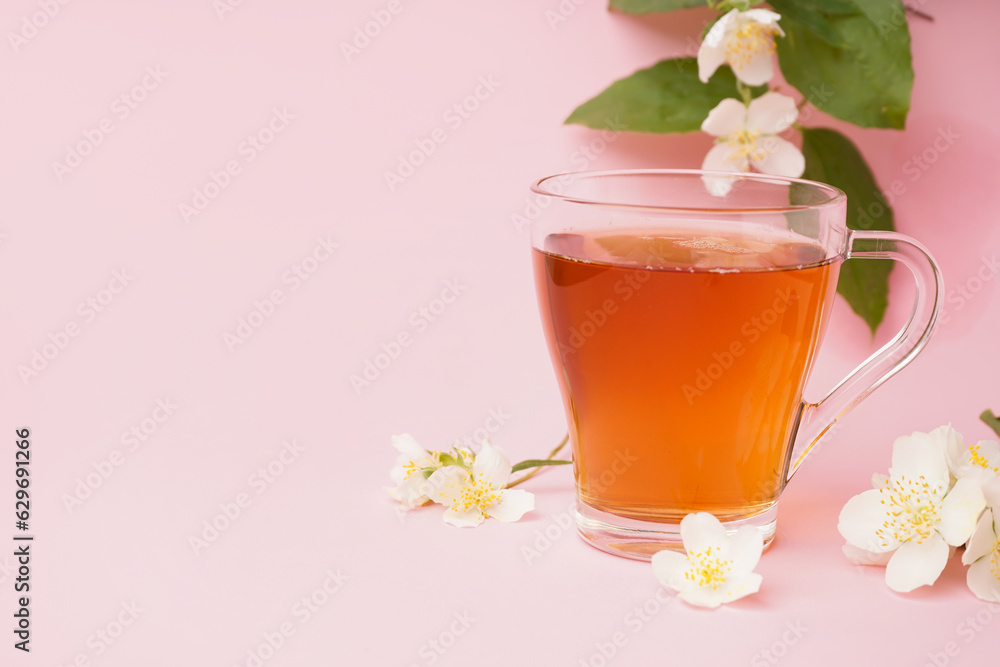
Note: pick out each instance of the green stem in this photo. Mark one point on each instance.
(745, 92)
(916, 12)
(534, 472)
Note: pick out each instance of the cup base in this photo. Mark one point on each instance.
(639, 540)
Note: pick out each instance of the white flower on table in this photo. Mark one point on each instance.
(472, 496)
(980, 462)
(914, 512)
(745, 40)
(717, 568)
(982, 555)
(747, 136)
(413, 466)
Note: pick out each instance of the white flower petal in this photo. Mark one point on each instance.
(702, 597)
(718, 186)
(407, 445)
(491, 466)
(756, 71)
(723, 157)
(410, 492)
(960, 510)
(468, 519)
(446, 484)
(982, 541)
(404, 443)
(946, 436)
(980, 461)
(701, 530)
(771, 113)
(864, 557)
(990, 450)
(782, 158)
(726, 118)
(916, 564)
(669, 568)
(744, 549)
(765, 17)
(982, 582)
(717, 33)
(880, 481)
(861, 517)
(992, 493)
(710, 58)
(744, 587)
(514, 504)
(734, 589)
(919, 455)
(954, 447)
(410, 452)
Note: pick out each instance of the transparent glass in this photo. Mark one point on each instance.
(682, 327)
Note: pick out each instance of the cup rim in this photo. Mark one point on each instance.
(837, 196)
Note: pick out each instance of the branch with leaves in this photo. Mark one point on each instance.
(848, 58)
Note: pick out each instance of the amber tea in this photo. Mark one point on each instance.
(681, 357)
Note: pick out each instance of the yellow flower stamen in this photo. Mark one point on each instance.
(977, 459)
(747, 41)
(912, 511)
(429, 463)
(743, 143)
(480, 494)
(707, 570)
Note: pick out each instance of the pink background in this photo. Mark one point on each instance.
(411, 579)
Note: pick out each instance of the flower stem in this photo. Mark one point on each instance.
(745, 92)
(916, 12)
(534, 472)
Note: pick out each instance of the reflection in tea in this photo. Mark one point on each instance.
(689, 350)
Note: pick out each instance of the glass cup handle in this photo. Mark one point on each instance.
(815, 419)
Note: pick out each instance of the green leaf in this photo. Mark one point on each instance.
(667, 97)
(991, 420)
(869, 80)
(831, 7)
(538, 463)
(649, 6)
(813, 16)
(832, 158)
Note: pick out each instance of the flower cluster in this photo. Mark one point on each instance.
(472, 486)
(746, 129)
(939, 494)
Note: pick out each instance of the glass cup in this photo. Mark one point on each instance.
(682, 326)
